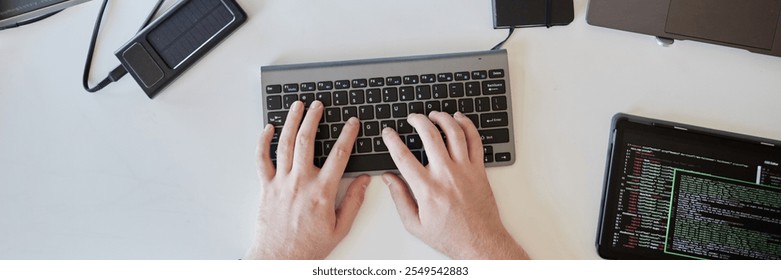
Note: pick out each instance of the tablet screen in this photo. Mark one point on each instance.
(674, 191)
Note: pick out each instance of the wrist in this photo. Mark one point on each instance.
(498, 244)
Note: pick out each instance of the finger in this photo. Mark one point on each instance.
(406, 162)
(353, 199)
(473, 141)
(405, 204)
(456, 142)
(333, 169)
(432, 140)
(304, 153)
(287, 138)
(266, 169)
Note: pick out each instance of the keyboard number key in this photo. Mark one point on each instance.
(373, 95)
(273, 102)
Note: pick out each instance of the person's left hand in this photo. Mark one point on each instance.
(297, 219)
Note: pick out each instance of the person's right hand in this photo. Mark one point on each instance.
(455, 212)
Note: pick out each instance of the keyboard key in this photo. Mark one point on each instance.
(277, 131)
(444, 77)
(357, 97)
(274, 89)
(433, 106)
(411, 79)
(498, 103)
(456, 90)
(290, 88)
(488, 158)
(273, 102)
(501, 157)
(373, 95)
(340, 98)
(393, 81)
(318, 149)
(473, 89)
(328, 146)
(449, 106)
(366, 112)
(360, 83)
(273, 151)
(494, 136)
(386, 124)
(371, 128)
(496, 73)
(322, 132)
(488, 150)
(342, 84)
(363, 163)
(462, 76)
(479, 75)
(308, 87)
(336, 130)
(399, 110)
(414, 142)
(403, 127)
(324, 97)
(439, 91)
(416, 107)
(382, 111)
(390, 95)
(423, 92)
(490, 120)
(307, 98)
(349, 112)
(494, 87)
(325, 85)
(406, 93)
(379, 145)
(376, 82)
(288, 100)
(475, 119)
(466, 105)
(277, 118)
(363, 145)
(428, 78)
(333, 115)
(482, 104)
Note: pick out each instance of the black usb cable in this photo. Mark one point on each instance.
(118, 71)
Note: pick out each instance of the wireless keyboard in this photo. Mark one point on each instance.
(382, 92)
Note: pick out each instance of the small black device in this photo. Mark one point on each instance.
(531, 13)
(675, 191)
(166, 48)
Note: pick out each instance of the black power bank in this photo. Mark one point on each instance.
(166, 48)
(530, 13)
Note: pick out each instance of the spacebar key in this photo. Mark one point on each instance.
(362, 163)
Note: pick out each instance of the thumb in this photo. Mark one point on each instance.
(405, 204)
(351, 203)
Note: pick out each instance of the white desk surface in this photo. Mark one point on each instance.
(115, 175)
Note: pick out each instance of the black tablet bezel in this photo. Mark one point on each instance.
(619, 122)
